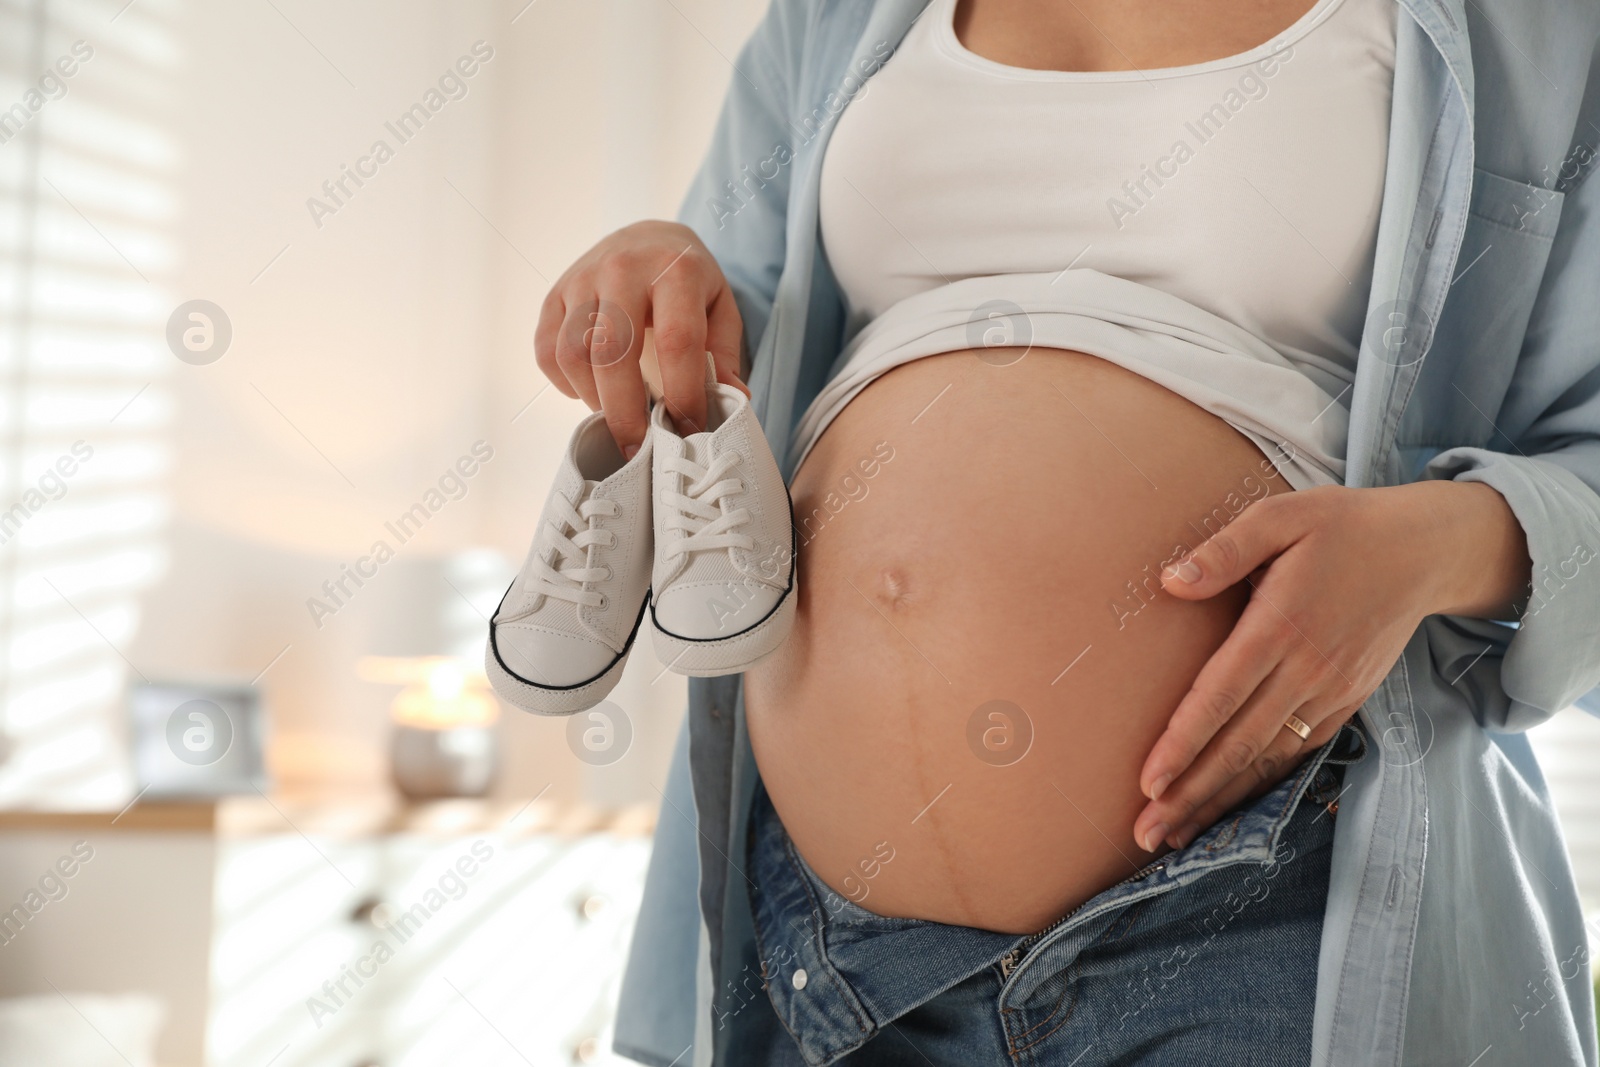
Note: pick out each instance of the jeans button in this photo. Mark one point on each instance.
(799, 978)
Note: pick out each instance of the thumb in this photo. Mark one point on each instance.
(1260, 532)
(725, 340)
(721, 372)
(733, 380)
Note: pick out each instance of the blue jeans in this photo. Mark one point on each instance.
(1207, 956)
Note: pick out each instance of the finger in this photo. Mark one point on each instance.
(1220, 689)
(572, 350)
(616, 338)
(678, 315)
(546, 335)
(1247, 786)
(1248, 744)
(1261, 531)
(725, 338)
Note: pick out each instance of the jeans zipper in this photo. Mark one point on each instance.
(1009, 961)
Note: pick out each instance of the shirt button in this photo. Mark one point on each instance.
(799, 978)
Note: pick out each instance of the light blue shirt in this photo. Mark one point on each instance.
(1453, 933)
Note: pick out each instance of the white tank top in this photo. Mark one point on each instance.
(1248, 186)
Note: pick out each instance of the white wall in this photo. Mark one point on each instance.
(399, 332)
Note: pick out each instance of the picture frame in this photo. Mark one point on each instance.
(192, 739)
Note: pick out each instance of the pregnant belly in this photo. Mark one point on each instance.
(982, 656)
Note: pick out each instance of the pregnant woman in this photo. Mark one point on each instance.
(1083, 332)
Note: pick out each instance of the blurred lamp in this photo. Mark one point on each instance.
(442, 742)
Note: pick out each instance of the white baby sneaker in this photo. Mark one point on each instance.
(562, 633)
(723, 584)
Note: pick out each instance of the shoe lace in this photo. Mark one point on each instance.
(698, 511)
(565, 580)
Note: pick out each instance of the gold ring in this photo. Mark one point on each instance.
(1298, 725)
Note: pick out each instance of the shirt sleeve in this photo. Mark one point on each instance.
(1552, 657)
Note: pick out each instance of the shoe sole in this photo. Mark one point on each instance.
(699, 658)
(555, 700)
(542, 701)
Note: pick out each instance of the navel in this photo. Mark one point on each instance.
(894, 587)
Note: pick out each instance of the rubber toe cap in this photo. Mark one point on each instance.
(555, 661)
(711, 610)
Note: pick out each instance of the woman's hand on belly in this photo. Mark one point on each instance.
(1340, 578)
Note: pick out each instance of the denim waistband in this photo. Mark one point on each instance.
(837, 973)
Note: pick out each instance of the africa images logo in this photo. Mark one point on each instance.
(199, 732)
